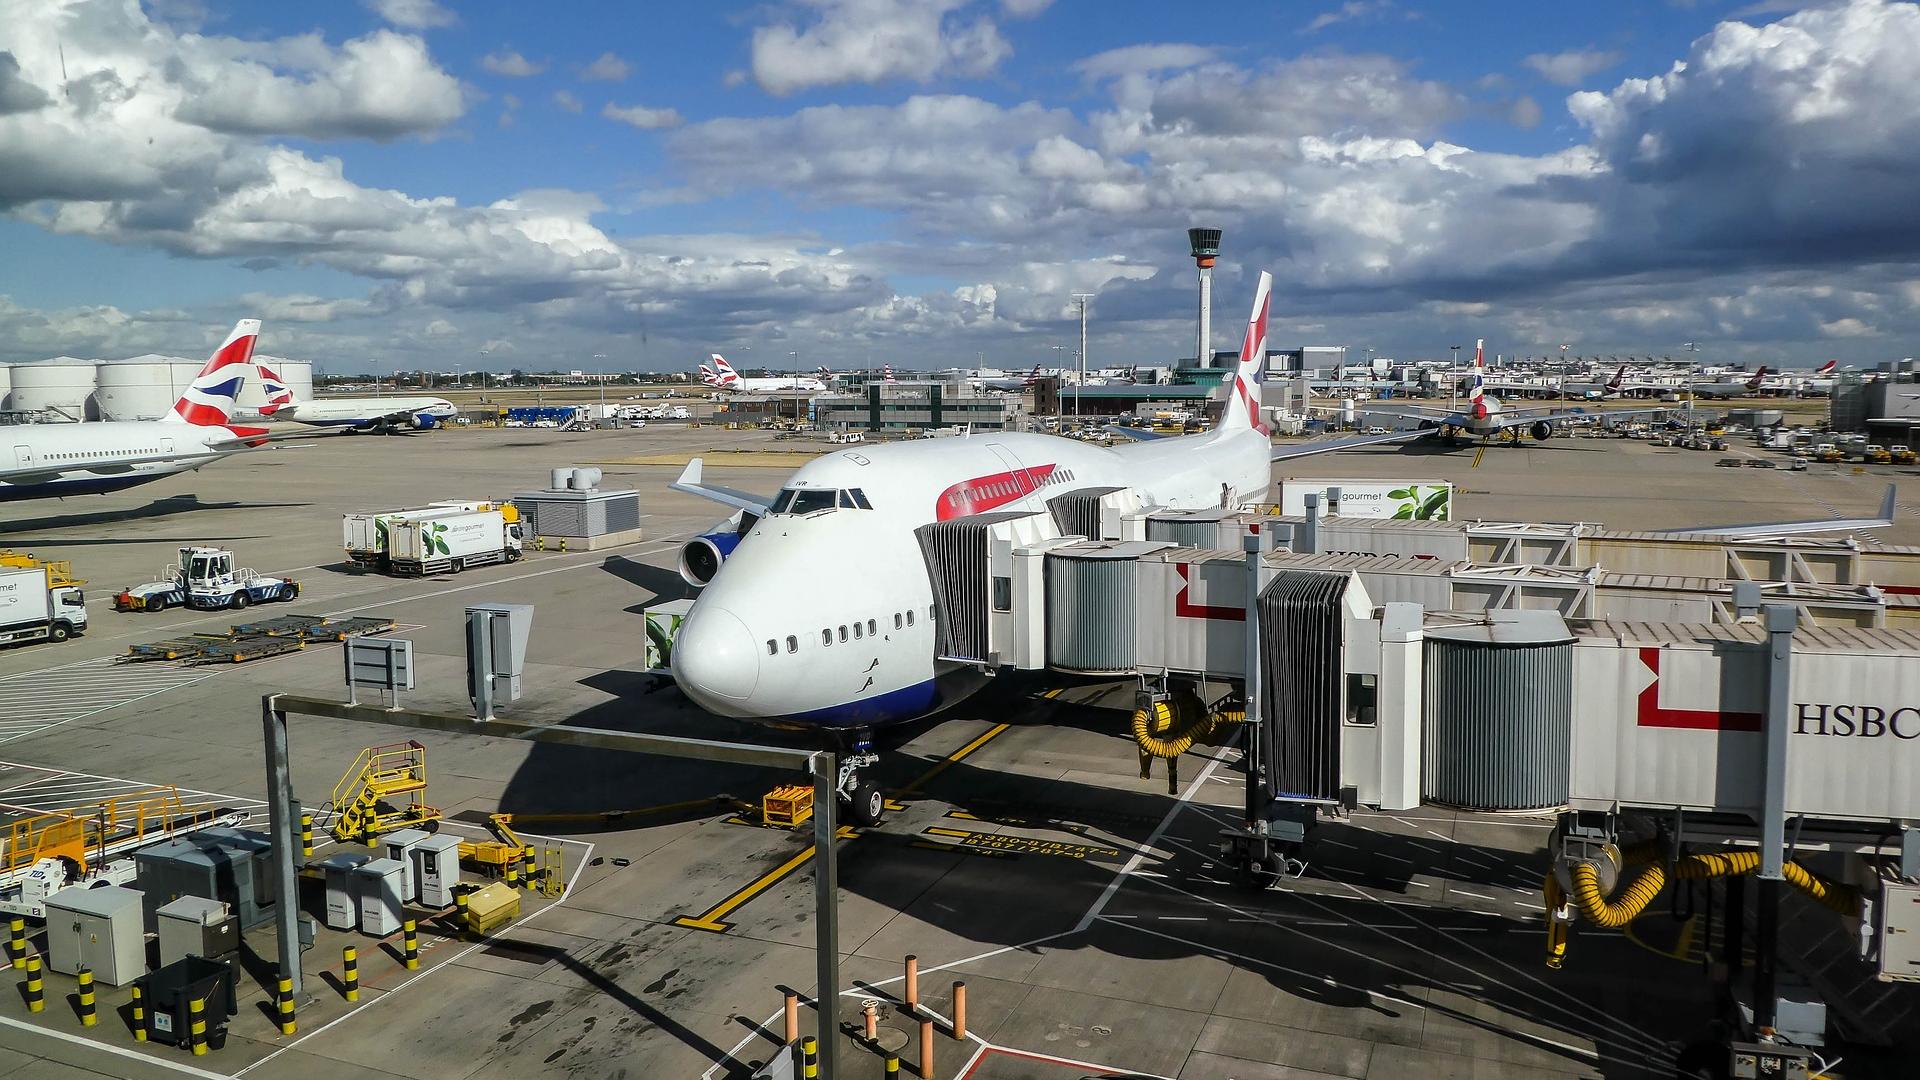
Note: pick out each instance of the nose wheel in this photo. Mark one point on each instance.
(865, 803)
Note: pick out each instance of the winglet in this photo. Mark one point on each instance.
(690, 476)
(1888, 505)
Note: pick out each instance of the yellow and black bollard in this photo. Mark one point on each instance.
(197, 1026)
(286, 1006)
(529, 879)
(36, 989)
(513, 872)
(460, 910)
(810, 1058)
(17, 941)
(88, 1011)
(410, 942)
(563, 545)
(139, 1013)
(306, 836)
(350, 973)
(893, 1066)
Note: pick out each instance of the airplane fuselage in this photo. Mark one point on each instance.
(824, 614)
(767, 386)
(363, 412)
(86, 455)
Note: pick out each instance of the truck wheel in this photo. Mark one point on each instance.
(292, 593)
(58, 632)
(158, 603)
(240, 600)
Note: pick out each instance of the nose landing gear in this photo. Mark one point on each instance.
(865, 803)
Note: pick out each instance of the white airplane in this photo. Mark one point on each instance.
(817, 609)
(1731, 388)
(1485, 415)
(55, 460)
(383, 414)
(726, 378)
(1005, 384)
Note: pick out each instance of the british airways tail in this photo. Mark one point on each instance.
(1242, 411)
(209, 399)
(275, 388)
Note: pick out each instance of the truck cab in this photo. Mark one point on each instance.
(39, 600)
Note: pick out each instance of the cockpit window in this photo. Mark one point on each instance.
(846, 500)
(808, 500)
(860, 498)
(782, 501)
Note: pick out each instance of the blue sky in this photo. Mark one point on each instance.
(926, 180)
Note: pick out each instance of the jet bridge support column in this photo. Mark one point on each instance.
(1780, 620)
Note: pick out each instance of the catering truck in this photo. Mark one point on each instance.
(39, 601)
(449, 543)
(364, 535)
(1402, 500)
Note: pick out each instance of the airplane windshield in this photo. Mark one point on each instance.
(803, 501)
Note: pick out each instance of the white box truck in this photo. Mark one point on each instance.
(364, 535)
(39, 601)
(1402, 500)
(449, 543)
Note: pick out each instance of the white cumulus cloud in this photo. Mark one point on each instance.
(1572, 67)
(511, 64)
(412, 14)
(642, 117)
(606, 68)
(870, 41)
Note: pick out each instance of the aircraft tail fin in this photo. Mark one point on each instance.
(209, 399)
(278, 396)
(1243, 398)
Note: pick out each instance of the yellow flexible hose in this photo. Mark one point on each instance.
(1164, 732)
(1638, 892)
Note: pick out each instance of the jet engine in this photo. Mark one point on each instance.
(1540, 430)
(425, 422)
(700, 557)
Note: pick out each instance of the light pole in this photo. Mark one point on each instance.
(602, 380)
(1453, 378)
(1083, 298)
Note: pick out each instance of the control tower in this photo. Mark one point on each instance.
(1205, 244)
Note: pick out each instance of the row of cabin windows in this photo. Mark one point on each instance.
(860, 630)
(88, 455)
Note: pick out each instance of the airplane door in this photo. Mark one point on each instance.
(23, 457)
(166, 444)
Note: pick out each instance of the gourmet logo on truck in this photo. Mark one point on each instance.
(1396, 500)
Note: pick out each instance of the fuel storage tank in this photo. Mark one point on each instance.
(138, 388)
(53, 390)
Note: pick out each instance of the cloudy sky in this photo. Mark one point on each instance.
(925, 181)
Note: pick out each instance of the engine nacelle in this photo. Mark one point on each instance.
(1541, 431)
(701, 557)
(425, 422)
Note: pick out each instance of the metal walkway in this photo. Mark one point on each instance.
(36, 701)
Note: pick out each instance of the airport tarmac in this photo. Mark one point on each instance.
(1079, 903)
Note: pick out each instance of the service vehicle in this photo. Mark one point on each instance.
(1902, 455)
(205, 578)
(450, 543)
(1405, 500)
(39, 601)
(364, 534)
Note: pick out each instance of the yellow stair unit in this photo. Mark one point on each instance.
(384, 789)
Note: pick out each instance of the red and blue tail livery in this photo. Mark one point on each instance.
(275, 389)
(209, 399)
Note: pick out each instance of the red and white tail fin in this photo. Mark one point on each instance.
(1243, 400)
(707, 375)
(825, 375)
(1619, 379)
(1759, 377)
(1477, 390)
(1827, 368)
(278, 396)
(886, 373)
(723, 373)
(209, 398)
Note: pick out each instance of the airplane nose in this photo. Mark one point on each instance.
(715, 659)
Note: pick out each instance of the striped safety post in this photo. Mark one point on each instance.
(513, 872)
(139, 1013)
(528, 878)
(197, 1026)
(88, 1011)
(893, 1067)
(410, 943)
(810, 1058)
(460, 916)
(17, 941)
(287, 1025)
(350, 973)
(306, 836)
(36, 989)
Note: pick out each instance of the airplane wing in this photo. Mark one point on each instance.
(1328, 446)
(1774, 530)
(116, 467)
(689, 482)
(1523, 417)
(1136, 434)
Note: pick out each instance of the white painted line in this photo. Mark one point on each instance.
(1462, 892)
(1153, 839)
(117, 1051)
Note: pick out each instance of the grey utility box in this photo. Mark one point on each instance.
(212, 866)
(343, 889)
(193, 926)
(98, 929)
(380, 904)
(436, 868)
(398, 846)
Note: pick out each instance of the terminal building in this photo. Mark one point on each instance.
(1883, 405)
(921, 404)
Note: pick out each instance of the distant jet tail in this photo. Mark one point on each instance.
(1477, 391)
(886, 373)
(825, 375)
(209, 399)
(1243, 401)
(278, 396)
(707, 375)
(1619, 380)
(1758, 378)
(1827, 368)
